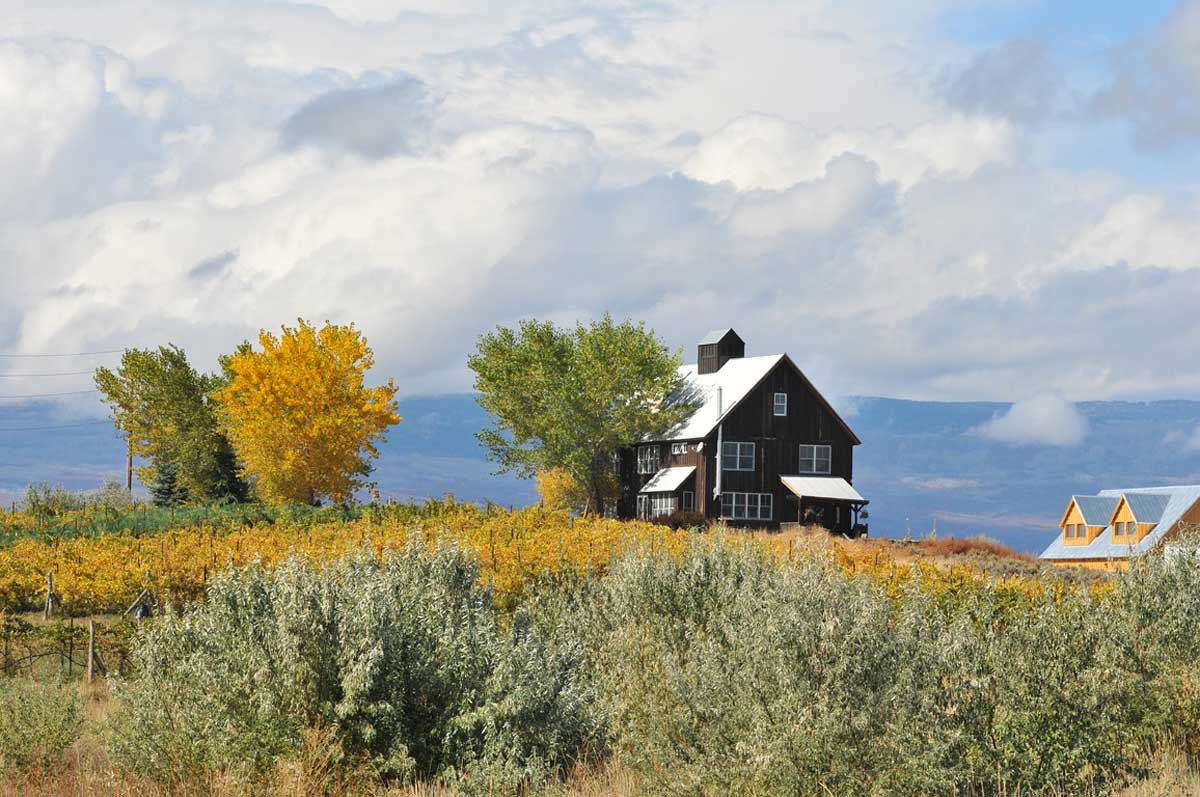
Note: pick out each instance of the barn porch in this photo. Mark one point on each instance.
(827, 501)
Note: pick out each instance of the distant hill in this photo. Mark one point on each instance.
(919, 461)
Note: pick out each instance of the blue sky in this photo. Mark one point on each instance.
(932, 200)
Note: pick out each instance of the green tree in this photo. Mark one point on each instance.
(163, 405)
(570, 398)
(166, 489)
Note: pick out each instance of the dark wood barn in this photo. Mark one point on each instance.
(763, 448)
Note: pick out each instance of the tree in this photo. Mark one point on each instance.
(301, 420)
(570, 398)
(163, 406)
(166, 490)
(559, 490)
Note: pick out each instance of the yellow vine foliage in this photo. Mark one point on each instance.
(299, 416)
(105, 573)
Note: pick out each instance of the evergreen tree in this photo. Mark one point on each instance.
(165, 489)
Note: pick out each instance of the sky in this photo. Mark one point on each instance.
(986, 199)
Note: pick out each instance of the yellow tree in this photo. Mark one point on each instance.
(302, 422)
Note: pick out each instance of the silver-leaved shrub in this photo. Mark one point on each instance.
(401, 659)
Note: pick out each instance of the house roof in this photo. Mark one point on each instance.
(722, 390)
(717, 335)
(830, 487)
(1097, 510)
(668, 480)
(1177, 501)
(1147, 507)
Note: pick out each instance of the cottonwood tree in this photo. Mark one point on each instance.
(570, 398)
(302, 421)
(163, 405)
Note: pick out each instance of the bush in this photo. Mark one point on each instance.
(725, 673)
(402, 661)
(682, 520)
(38, 721)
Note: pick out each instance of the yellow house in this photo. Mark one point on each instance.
(1106, 530)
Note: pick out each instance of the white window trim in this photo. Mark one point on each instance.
(738, 456)
(777, 406)
(736, 506)
(654, 505)
(816, 447)
(648, 459)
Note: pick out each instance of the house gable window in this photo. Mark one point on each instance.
(746, 506)
(815, 459)
(647, 459)
(781, 404)
(737, 456)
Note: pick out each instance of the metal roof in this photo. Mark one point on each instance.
(1147, 507)
(716, 336)
(830, 487)
(668, 480)
(719, 392)
(1178, 500)
(1096, 509)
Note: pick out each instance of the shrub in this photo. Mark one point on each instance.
(723, 672)
(402, 661)
(38, 721)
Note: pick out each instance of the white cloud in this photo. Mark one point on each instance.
(431, 170)
(941, 483)
(1042, 420)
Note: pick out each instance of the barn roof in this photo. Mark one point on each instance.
(722, 390)
(717, 335)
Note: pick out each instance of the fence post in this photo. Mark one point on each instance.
(91, 661)
(50, 596)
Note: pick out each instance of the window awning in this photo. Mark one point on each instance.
(829, 488)
(668, 480)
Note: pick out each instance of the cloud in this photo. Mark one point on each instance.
(434, 170)
(1041, 420)
(371, 121)
(1155, 81)
(213, 266)
(1018, 79)
(941, 483)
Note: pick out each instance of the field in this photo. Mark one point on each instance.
(449, 649)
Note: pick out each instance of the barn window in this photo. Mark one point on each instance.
(746, 506)
(781, 404)
(655, 505)
(815, 459)
(737, 456)
(679, 448)
(688, 501)
(647, 461)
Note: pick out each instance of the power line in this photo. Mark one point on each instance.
(48, 395)
(56, 373)
(50, 428)
(71, 354)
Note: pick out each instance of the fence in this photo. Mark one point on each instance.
(70, 647)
